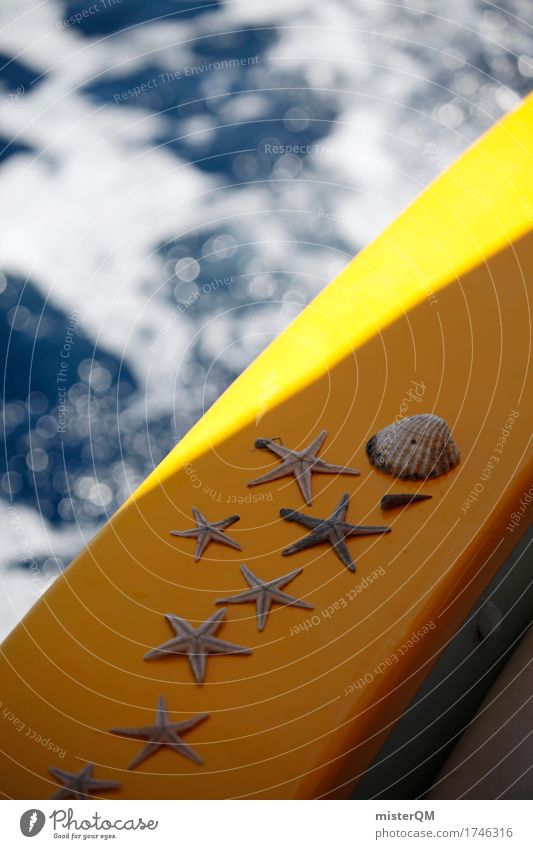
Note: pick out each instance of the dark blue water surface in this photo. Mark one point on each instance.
(115, 16)
(224, 108)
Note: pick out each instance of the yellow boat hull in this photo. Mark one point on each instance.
(433, 317)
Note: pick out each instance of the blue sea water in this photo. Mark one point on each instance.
(178, 180)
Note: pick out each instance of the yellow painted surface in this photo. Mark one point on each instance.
(433, 317)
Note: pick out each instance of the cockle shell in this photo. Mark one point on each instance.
(415, 448)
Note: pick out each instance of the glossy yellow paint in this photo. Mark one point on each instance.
(434, 316)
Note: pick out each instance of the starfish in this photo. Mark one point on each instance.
(301, 464)
(163, 733)
(196, 643)
(264, 594)
(333, 530)
(80, 785)
(206, 532)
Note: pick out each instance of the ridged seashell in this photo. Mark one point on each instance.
(415, 448)
(400, 499)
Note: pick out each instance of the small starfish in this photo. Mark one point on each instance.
(206, 532)
(333, 530)
(301, 464)
(264, 594)
(196, 643)
(80, 785)
(163, 733)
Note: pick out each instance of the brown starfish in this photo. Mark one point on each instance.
(163, 734)
(333, 530)
(80, 785)
(196, 643)
(206, 532)
(301, 464)
(264, 594)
